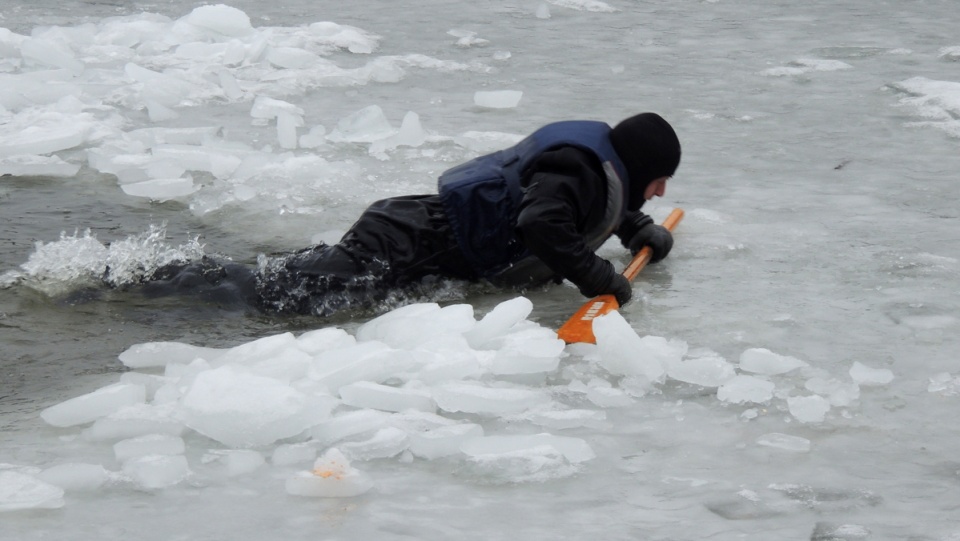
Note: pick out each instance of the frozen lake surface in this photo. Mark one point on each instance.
(789, 372)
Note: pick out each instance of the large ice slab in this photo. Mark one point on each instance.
(20, 491)
(91, 406)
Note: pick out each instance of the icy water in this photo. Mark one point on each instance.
(821, 149)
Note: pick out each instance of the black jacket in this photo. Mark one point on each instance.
(564, 197)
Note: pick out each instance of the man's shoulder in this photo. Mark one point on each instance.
(568, 159)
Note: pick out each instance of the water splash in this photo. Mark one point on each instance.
(80, 260)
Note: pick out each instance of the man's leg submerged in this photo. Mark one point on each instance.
(395, 243)
(321, 280)
(229, 285)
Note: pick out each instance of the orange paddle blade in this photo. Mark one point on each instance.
(579, 328)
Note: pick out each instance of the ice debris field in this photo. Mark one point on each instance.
(82, 87)
(64, 88)
(421, 383)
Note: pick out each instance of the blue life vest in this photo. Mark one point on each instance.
(481, 198)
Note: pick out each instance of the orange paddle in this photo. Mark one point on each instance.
(579, 328)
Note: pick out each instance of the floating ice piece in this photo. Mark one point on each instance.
(161, 89)
(418, 421)
(530, 351)
(375, 366)
(765, 362)
(22, 491)
(258, 350)
(543, 11)
(808, 409)
(838, 393)
(87, 408)
(448, 364)
(466, 38)
(151, 382)
(218, 162)
(608, 397)
(161, 189)
(230, 85)
(314, 138)
(950, 53)
(288, 365)
(624, 353)
(806, 65)
(944, 383)
(348, 424)
(936, 101)
(220, 19)
(75, 477)
(498, 321)
(243, 410)
(37, 166)
(411, 134)
(573, 449)
(292, 58)
(294, 453)
(269, 108)
(741, 389)
(534, 464)
(497, 99)
(235, 462)
(332, 477)
(366, 394)
(411, 325)
(468, 397)
(43, 138)
(844, 532)
(563, 419)
(585, 5)
(707, 371)
(328, 338)
(385, 443)
(158, 112)
(157, 471)
(443, 441)
(287, 125)
(351, 38)
(867, 376)
(151, 444)
(785, 442)
(364, 126)
(48, 52)
(38, 88)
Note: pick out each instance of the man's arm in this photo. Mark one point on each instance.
(564, 194)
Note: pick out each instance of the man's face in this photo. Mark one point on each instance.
(656, 188)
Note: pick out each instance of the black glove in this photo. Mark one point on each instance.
(606, 281)
(657, 237)
(621, 289)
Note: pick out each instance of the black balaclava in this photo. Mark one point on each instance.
(649, 149)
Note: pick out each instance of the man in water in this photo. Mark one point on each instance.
(523, 216)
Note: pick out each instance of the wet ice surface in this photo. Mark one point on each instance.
(795, 375)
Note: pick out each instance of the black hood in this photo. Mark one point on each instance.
(649, 149)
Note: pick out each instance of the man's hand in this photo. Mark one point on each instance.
(606, 281)
(621, 289)
(657, 237)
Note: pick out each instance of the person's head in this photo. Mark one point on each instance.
(650, 150)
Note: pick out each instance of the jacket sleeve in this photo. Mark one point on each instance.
(563, 194)
(631, 225)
